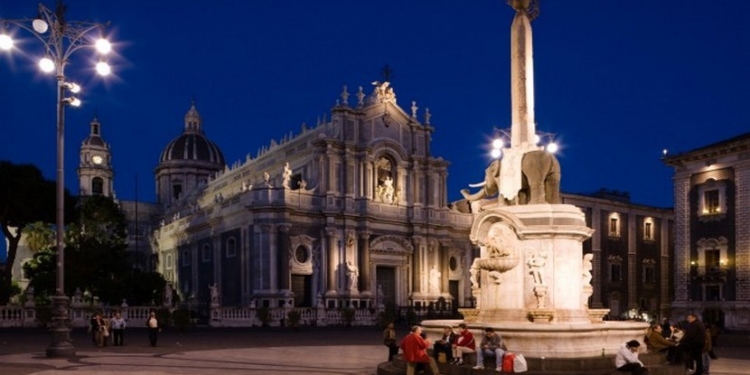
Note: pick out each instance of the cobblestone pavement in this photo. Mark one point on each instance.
(310, 351)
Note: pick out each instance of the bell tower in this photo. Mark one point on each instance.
(95, 172)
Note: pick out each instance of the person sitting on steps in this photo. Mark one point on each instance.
(464, 344)
(491, 346)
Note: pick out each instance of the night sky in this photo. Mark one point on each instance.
(616, 81)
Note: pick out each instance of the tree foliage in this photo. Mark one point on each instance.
(96, 258)
(25, 197)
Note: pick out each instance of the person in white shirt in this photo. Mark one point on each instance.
(153, 328)
(117, 324)
(627, 359)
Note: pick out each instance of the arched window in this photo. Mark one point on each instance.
(169, 262)
(97, 186)
(206, 253)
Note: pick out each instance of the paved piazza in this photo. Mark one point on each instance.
(355, 351)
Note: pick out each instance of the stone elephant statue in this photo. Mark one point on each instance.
(540, 180)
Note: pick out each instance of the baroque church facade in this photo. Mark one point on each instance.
(351, 212)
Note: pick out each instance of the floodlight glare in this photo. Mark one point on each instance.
(103, 68)
(46, 65)
(6, 42)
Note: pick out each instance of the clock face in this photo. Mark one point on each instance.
(97, 159)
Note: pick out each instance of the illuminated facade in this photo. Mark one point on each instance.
(632, 253)
(712, 232)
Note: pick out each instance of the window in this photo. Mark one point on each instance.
(301, 255)
(231, 248)
(169, 262)
(185, 257)
(614, 273)
(97, 186)
(614, 225)
(206, 253)
(648, 271)
(615, 269)
(176, 191)
(648, 229)
(711, 202)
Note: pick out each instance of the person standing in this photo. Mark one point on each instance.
(153, 328)
(118, 327)
(389, 340)
(415, 351)
(693, 342)
(627, 359)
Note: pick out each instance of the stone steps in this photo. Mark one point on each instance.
(549, 366)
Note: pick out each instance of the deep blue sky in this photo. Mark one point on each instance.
(617, 81)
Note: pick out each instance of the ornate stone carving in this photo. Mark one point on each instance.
(392, 244)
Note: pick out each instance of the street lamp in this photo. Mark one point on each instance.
(545, 141)
(60, 38)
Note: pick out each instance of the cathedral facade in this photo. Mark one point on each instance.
(350, 212)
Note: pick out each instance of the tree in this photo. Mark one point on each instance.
(25, 197)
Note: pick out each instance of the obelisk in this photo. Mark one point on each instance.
(522, 76)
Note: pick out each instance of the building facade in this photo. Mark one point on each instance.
(712, 232)
(632, 252)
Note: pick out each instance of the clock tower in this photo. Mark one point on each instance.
(95, 172)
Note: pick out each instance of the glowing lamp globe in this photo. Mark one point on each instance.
(103, 68)
(497, 143)
(496, 153)
(552, 147)
(46, 65)
(6, 43)
(103, 46)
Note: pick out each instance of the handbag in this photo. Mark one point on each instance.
(519, 364)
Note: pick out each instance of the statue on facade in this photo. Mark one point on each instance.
(536, 267)
(214, 289)
(434, 280)
(387, 190)
(352, 272)
(286, 176)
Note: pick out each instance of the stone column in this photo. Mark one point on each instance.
(596, 249)
(284, 255)
(332, 238)
(632, 262)
(444, 266)
(364, 262)
(416, 266)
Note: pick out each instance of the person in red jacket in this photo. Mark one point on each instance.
(414, 348)
(464, 344)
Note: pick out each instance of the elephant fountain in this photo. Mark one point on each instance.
(540, 182)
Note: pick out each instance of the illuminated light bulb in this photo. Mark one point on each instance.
(498, 143)
(103, 68)
(75, 102)
(6, 42)
(496, 153)
(74, 88)
(46, 65)
(536, 139)
(552, 147)
(664, 152)
(103, 46)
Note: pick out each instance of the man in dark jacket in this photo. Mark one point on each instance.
(692, 343)
(444, 345)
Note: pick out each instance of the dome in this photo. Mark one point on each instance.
(192, 146)
(95, 137)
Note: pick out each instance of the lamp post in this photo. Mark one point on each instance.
(60, 38)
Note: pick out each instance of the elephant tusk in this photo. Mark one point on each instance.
(478, 185)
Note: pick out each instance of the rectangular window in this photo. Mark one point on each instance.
(614, 273)
(649, 274)
(614, 227)
(185, 258)
(648, 231)
(711, 201)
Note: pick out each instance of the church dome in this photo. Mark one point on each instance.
(192, 144)
(95, 138)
